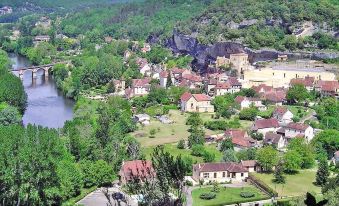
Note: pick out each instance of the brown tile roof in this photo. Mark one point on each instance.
(177, 71)
(272, 138)
(163, 74)
(243, 141)
(249, 163)
(262, 88)
(297, 126)
(233, 81)
(239, 99)
(137, 168)
(280, 111)
(141, 82)
(192, 77)
(223, 86)
(218, 167)
(307, 81)
(275, 96)
(265, 123)
(235, 133)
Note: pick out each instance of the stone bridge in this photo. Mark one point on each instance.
(34, 69)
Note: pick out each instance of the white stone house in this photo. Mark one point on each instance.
(219, 172)
(293, 130)
(246, 102)
(283, 115)
(265, 125)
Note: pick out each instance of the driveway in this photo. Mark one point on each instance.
(97, 198)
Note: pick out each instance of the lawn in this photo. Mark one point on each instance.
(168, 133)
(226, 195)
(172, 148)
(297, 184)
(299, 111)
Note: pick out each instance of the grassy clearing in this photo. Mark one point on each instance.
(168, 133)
(173, 150)
(226, 196)
(299, 111)
(297, 184)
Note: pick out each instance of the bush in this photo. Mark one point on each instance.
(181, 144)
(248, 114)
(198, 150)
(207, 196)
(247, 194)
(188, 183)
(216, 125)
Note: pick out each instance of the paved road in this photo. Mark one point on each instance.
(97, 198)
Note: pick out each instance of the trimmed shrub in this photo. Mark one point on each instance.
(247, 194)
(207, 196)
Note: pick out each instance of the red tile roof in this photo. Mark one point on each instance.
(233, 81)
(177, 71)
(185, 96)
(243, 141)
(239, 99)
(328, 86)
(235, 133)
(192, 77)
(201, 97)
(265, 123)
(297, 126)
(275, 96)
(280, 111)
(141, 82)
(223, 86)
(163, 74)
(136, 168)
(262, 88)
(307, 81)
(218, 167)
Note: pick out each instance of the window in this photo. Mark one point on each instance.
(215, 175)
(228, 174)
(192, 105)
(223, 174)
(206, 175)
(284, 75)
(273, 73)
(242, 174)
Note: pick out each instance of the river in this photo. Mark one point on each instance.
(46, 105)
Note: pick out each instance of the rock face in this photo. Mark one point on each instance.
(204, 54)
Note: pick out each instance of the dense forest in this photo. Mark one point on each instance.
(266, 23)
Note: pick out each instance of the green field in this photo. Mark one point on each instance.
(227, 195)
(297, 184)
(172, 148)
(168, 133)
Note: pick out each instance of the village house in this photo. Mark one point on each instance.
(307, 82)
(140, 87)
(222, 62)
(219, 172)
(163, 78)
(238, 61)
(192, 80)
(283, 115)
(196, 103)
(275, 97)
(143, 119)
(146, 48)
(251, 165)
(136, 169)
(280, 75)
(262, 88)
(265, 125)
(240, 139)
(335, 158)
(143, 65)
(247, 102)
(293, 130)
(119, 86)
(39, 39)
(6, 10)
(177, 74)
(282, 57)
(328, 88)
(277, 140)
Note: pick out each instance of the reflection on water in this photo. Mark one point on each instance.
(46, 105)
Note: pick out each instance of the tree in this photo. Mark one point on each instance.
(197, 136)
(292, 161)
(9, 115)
(12, 91)
(248, 113)
(169, 82)
(297, 93)
(311, 201)
(278, 173)
(328, 141)
(305, 151)
(267, 157)
(226, 144)
(181, 144)
(229, 156)
(208, 156)
(194, 119)
(332, 196)
(322, 173)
